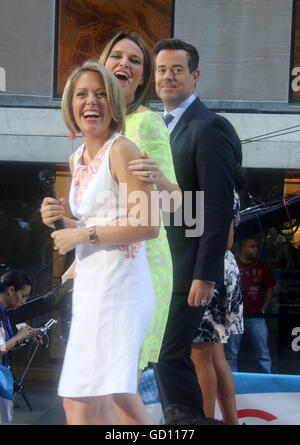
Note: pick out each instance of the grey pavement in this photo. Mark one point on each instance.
(45, 403)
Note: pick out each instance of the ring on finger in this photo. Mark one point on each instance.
(150, 174)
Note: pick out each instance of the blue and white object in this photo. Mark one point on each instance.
(266, 399)
(149, 393)
(6, 395)
(262, 399)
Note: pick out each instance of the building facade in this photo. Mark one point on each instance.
(249, 58)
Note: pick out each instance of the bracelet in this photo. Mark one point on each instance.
(93, 236)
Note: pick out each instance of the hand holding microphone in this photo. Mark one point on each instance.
(52, 209)
(52, 212)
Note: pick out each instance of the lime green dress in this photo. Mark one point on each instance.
(149, 132)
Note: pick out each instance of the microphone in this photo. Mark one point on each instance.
(61, 292)
(47, 181)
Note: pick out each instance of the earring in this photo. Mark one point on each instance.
(72, 135)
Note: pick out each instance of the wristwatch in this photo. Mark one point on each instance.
(93, 236)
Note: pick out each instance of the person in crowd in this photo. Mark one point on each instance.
(113, 294)
(257, 283)
(15, 286)
(223, 317)
(204, 148)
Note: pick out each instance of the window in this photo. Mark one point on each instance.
(279, 248)
(85, 27)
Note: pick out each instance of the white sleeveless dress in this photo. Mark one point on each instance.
(113, 295)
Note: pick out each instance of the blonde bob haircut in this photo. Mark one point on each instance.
(113, 90)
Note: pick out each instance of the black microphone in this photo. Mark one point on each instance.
(61, 292)
(47, 181)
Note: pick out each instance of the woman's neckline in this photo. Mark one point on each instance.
(96, 155)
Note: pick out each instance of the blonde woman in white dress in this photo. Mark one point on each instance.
(113, 287)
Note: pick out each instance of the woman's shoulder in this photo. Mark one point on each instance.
(144, 114)
(77, 153)
(147, 123)
(123, 146)
(142, 108)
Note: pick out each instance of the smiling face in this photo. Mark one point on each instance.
(173, 80)
(126, 62)
(90, 107)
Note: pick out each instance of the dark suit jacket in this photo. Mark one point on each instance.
(204, 149)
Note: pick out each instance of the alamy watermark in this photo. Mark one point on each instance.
(2, 79)
(296, 341)
(296, 81)
(136, 209)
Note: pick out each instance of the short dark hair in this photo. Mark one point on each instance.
(15, 277)
(177, 44)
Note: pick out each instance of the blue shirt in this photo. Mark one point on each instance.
(178, 111)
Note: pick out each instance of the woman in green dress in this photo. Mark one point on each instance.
(127, 56)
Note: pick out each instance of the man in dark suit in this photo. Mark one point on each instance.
(204, 149)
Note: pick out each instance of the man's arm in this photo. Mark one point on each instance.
(201, 293)
(269, 283)
(267, 299)
(215, 162)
